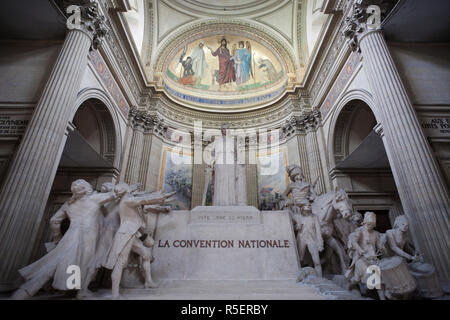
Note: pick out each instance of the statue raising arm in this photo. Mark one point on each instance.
(150, 199)
(55, 222)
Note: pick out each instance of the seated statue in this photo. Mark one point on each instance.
(397, 240)
(364, 247)
(397, 245)
(77, 246)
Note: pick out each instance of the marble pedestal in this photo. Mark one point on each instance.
(225, 243)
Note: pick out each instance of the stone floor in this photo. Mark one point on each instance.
(311, 289)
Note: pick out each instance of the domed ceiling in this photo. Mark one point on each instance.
(263, 55)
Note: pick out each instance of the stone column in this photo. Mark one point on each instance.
(420, 184)
(301, 138)
(198, 184)
(312, 147)
(136, 119)
(28, 182)
(149, 121)
(126, 150)
(322, 151)
(252, 185)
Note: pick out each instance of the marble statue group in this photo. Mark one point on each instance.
(329, 230)
(104, 228)
(332, 239)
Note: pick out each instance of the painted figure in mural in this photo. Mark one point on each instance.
(77, 246)
(267, 66)
(199, 64)
(309, 236)
(188, 77)
(249, 49)
(302, 192)
(226, 67)
(242, 63)
(180, 182)
(131, 235)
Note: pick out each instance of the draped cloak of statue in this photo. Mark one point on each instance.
(229, 176)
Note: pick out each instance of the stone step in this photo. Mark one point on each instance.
(234, 290)
(310, 289)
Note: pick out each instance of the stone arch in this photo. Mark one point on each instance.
(341, 122)
(107, 118)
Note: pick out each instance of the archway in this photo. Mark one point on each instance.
(360, 163)
(90, 153)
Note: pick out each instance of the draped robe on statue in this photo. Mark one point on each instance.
(229, 177)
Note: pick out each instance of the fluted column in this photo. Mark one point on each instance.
(252, 184)
(420, 184)
(136, 119)
(322, 152)
(28, 182)
(198, 184)
(303, 154)
(312, 149)
(149, 122)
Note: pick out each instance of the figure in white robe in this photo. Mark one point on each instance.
(199, 64)
(230, 187)
(77, 246)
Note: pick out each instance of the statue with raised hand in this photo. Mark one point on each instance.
(131, 236)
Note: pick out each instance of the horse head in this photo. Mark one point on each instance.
(342, 204)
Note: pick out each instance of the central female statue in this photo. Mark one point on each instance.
(230, 187)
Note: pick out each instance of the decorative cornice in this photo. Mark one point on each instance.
(178, 116)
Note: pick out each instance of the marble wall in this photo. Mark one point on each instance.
(24, 70)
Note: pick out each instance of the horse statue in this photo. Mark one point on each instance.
(334, 210)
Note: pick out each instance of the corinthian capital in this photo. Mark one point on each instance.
(355, 25)
(85, 15)
(137, 118)
(365, 16)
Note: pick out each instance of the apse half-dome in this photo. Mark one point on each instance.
(224, 73)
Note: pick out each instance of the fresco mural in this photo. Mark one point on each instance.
(176, 175)
(272, 186)
(225, 64)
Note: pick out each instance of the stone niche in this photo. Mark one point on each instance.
(225, 243)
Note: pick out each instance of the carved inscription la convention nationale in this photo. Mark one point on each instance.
(223, 244)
